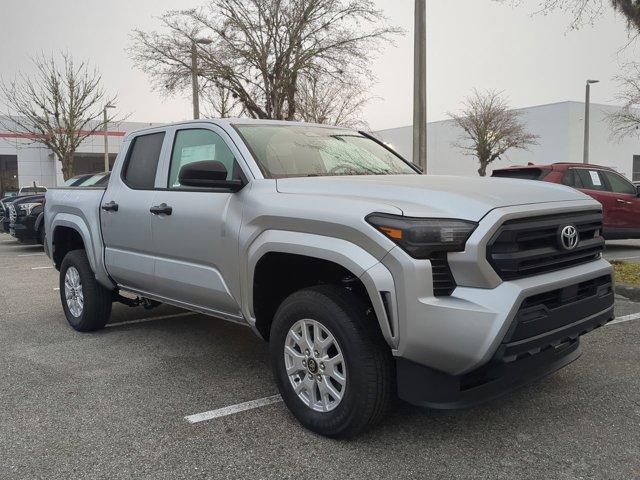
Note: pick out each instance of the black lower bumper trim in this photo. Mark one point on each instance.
(426, 387)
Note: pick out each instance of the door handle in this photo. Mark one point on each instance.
(162, 209)
(110, 206)
(619, 200)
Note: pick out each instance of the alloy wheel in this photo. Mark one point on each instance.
(315, 365)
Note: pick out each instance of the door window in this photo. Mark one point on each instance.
(590, 179)
(571, 179)
(619, 184)
(142, 161)
(197, 145)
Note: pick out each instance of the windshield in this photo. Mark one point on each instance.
(303, 150)
(77, 180)
(93, 180)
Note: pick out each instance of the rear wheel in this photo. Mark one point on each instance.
(86, 303)
(332, 366)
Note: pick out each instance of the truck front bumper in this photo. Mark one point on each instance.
(23, 228)
(517, 361)
(484, 343)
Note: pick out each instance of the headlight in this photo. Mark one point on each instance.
(28, 207)
(420, 237)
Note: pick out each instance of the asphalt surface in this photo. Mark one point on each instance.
(112, 404)
(625, 250)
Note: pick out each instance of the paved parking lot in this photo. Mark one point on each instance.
(626, 250)
(112, 404)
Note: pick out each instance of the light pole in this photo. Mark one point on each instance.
(194, 73)
(106, 135)
(420, 86)
(587, 101)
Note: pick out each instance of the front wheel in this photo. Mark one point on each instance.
(334, 370)
(86, 303)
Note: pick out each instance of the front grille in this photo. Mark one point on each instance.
(531, 246)
(443, 282)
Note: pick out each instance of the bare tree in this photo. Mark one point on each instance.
(626, 121)
(220, 102)
(58, 106)
(584, 12)
(332, 102)
(261, 49)
(490, 128)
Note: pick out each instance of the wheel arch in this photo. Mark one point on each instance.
(68, 232)
(298, 255)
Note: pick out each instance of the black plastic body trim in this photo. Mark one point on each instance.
(543, 337)
(426, 387)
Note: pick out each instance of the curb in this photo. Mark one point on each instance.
(628, 291)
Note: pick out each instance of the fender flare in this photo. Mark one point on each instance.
(374, 275)
(92, 246)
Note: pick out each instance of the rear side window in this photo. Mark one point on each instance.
(589, 179)
(522, 173)
(571, 179)
(142, 161)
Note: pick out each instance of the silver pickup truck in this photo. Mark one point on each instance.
(368, 279)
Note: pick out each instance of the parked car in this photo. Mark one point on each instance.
(366, 278)
(618, 196)
(13, 197)
(4, 208)
(26, 214)
(25, 219)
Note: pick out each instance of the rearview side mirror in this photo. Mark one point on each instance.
(637, 190)
(207, 174)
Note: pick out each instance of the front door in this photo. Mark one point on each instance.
(125, 217)
(626, 199)
(195, 230)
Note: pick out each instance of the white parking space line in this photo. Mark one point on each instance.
(150, 319)
(626, 318)
(41, 268)
(230, 410)
(30, 254)
(56, 288)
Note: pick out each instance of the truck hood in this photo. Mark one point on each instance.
(433, 195)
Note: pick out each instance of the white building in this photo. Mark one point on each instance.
(560, 127)
(23, 161)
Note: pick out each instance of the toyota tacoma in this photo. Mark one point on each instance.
(369, 280)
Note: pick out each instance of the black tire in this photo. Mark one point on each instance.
(370, 385)
(97, 299)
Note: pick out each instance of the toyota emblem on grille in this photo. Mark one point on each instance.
(568, 237)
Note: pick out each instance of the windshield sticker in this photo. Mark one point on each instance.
(197, 154)
(595, 178)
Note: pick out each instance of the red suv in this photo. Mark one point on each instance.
(618, 196)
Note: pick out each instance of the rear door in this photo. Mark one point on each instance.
(196, 239)
(125, 217)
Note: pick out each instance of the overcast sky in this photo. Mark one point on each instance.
(471, 43)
